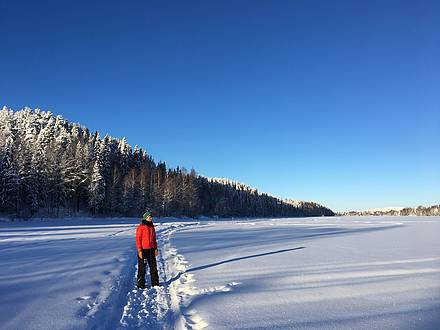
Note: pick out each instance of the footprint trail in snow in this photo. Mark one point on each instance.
(162, 307)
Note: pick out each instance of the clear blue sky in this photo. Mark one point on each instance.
(332, 101)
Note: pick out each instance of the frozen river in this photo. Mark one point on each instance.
(302, 273)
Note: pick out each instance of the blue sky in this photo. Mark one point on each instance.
(332, 101)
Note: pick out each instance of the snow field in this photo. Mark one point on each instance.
(62, 274)
(317, 273)
(314, 273)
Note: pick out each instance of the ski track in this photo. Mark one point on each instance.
(164, 307)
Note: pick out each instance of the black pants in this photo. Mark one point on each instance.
(151, 258)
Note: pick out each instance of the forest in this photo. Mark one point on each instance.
(433, 210)
(50, 167)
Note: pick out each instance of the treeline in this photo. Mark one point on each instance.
(407, 211)
(51, 167)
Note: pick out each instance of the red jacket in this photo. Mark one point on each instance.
(146, 237)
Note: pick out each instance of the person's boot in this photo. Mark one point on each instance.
(141, 285)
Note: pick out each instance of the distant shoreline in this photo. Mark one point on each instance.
(407, 211)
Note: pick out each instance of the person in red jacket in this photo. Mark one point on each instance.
(146, 245)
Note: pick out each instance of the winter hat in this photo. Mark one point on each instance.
(147, 214)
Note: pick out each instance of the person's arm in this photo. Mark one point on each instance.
(139, 241)
(156, 251)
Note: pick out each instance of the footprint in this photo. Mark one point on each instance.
(194, 320)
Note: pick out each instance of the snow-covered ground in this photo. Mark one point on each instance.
(314, 273)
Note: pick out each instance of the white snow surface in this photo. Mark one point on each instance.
(302, 273)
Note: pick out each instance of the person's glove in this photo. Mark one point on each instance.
(156, 252)
(140, 254)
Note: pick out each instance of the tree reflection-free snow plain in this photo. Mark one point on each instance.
(301, 273)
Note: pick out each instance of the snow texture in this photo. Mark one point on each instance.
(303, 273)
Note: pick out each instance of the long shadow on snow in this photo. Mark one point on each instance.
(5, 230)
(69, 232)
(228, 261)
(263, 236)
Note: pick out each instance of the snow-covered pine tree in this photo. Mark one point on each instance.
(96, 189)
(8, 171)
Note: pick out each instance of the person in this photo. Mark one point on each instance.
(146, 245)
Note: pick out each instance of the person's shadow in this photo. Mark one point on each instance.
(228, 261)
